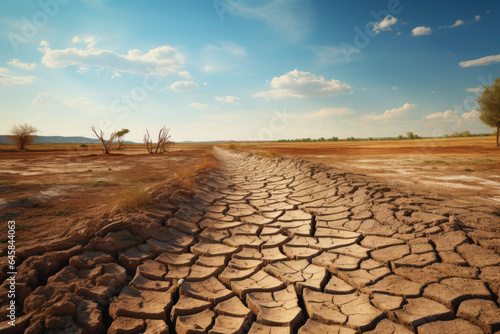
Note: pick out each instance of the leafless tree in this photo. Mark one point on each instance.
(23, 135)
(163, 144)
(106, 145)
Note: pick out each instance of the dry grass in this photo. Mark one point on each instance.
(186, 178)
(133, 198)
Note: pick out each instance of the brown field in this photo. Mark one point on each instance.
(50, 187)
(468, 168)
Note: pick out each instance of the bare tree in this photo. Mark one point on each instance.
(119, 137)
(163, 144)
(23, 135)
(106, 145)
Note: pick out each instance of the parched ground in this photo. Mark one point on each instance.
(275, 245)
(466, 168)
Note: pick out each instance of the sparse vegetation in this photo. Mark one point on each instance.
(106, 144)
(22, 226)
(23, 135)
(23, 200)
(65, 212)
(133, 198)
(489, 106)
(163, 144)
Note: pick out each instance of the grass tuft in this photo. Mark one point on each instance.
(133, 198)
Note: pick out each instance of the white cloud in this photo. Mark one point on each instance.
(184, 74)
(304, 85)
(475, 90)
(183, 86)
(229, 99)
(76, 39)
(433, 92)
(421, 31)
(49, 100)
(6, 78)
(444, 114)
(481, 61)
(456, 24)
(395, 88)
(391, 113)
(162, 60)
(477, 18)
(198, 105)
(83, 69)
(24, 66)
(385, 24)
(472, 114)
(326, 112)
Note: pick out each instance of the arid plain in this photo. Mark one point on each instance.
(252, 237)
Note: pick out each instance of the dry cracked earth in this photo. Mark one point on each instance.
(273, 245)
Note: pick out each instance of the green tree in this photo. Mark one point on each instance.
(410, 135)
(119, 137)
(23, 135)
(489, 106)
(466, 133)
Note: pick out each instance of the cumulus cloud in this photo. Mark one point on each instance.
(421, 31)
(25, 66)
(304, 85)
(162, 60)
(198, 105)
(50, 100)
(475, 90)
(184, 74)
(444, 114)
(391, 113)
(6, 78)
(454, 116)
(480, 61)
(326, 112)
(229, 99)
(183, 86)
(472, 114)
(385, 24)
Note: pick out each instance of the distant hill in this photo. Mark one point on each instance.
(58, 140)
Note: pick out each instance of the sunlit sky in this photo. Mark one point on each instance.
(247, 70)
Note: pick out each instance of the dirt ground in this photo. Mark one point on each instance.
(466, 168)
(50, 188)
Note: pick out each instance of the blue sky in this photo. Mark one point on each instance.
(247, 70)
